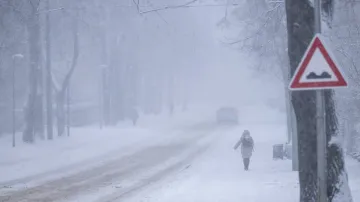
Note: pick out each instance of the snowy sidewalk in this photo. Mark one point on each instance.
(218, 175)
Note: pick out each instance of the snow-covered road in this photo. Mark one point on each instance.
(125, 174)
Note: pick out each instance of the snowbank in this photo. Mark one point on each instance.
(353, 168)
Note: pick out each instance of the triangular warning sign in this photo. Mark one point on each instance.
(318, 69)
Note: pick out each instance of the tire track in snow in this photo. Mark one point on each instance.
(175, 167)
(159, 174)
(104, 175)
(78, 167)
(85, 181)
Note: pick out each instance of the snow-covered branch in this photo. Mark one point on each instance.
(137, 4)
(269, 17)
(170, 7)
(51, 10)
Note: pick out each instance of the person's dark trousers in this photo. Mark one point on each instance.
(246, 163)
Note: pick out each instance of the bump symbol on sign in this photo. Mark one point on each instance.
(313, 75)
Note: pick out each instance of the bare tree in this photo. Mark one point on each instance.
(134, 70)
(12, 41)
(33, 112)
(61, 90)
(262, 32)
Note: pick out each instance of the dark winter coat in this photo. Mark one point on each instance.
(246, 151)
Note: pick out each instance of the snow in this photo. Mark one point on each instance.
(208, 170)
(151, 175)
(87, 147)
(353, 168)
(218, 175)
(85, 143)
(345, 193)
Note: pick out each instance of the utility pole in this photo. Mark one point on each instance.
(49, 106)
(320, 123)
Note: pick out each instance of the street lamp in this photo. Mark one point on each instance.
(14, 57)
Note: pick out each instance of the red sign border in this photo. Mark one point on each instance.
(295, 82)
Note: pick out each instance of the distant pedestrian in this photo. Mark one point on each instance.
(134, 115)
(247, 147)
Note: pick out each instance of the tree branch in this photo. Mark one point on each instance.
(169, 7)
(74, 59)
(258, 31)
(137, 5)
(268, 13)
(50, 10)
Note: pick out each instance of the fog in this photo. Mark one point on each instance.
(149, 57)
(185, 43)
(181, 100)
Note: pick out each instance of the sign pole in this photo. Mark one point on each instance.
(320, 124)
(321, 146)
(295, 147)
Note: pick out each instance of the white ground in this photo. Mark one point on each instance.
(218, 174)
(186, 158)
(85, 144)
(353, 168)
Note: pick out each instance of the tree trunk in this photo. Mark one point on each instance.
(338, 187)
(60, 95)
(300, 25)
(31, 113)
(49, 93)
(60, 112)
(116, 83)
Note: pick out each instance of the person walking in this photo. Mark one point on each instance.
(133, 115)
(247, 147)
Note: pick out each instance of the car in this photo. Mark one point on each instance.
(227, 115)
